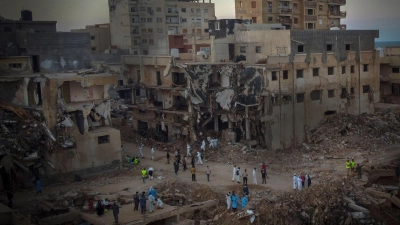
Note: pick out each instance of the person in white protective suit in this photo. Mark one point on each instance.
(199, 161)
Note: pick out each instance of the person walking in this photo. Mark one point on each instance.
(193, 161)
(151, 202)
(348, 167)
(358, 170)
(10, 196)
(238, 175)
(199, 161)
(228, 200)
(115, 209)
(178, 157)
(142, 201)
(263, 176)
(193, 172)
(245, 200)
(203, 145)
(353, 166)
(144, 175)
(295, 182)
(188, 150)
(152, 153)
(141, 150)
(208, 173)
(168, 157)
(136, 201)
(234, 201)
(38, 187)
(254, 176)
(176, 166)
(234, 173)
(245, 175)
(151, 172)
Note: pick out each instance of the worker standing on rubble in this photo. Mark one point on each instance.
(348, 167)
(294, 182)
(151, 171)
(254, 176)
(208, 173)
(142, 203)
(245, 200)
(193, 161)
(246, 190)
(358, 170)
(199, 161)
(234, 173)
(234, 201)
(152, 152)
(245, 175)
(151, 202)
(238, 175)
(141, 150)
(144, 175)
(228, 200)
(188, 150)
(353, 166)
(308, 179)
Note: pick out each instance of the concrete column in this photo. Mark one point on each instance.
(230, 124)
(247, 121)
(25, 88)
(216, 125)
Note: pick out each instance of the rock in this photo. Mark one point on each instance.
(70, 194)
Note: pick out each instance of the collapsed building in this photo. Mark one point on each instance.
(55, 112)
(265, 87)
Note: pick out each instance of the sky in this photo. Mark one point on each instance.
(74, 14)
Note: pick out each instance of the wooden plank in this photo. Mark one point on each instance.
(378, 193)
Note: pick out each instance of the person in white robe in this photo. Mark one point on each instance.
(294, 182)
(203, 145)
(254, 176)
(199, 161)
(234, 173)
(188, 150)
(228, 200)
(299, 183)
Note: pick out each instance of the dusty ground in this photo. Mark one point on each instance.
(322, 168)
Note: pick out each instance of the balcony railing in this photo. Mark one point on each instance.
(172, 22)
(338, 13)
(285, 21)
(310, 18)
(310, 4)
(285, 11)
(338, 2)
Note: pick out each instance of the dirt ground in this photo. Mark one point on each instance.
(279, 182)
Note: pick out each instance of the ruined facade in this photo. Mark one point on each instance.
(285, 84)
(99, 36)
(390, 74)
(298, 14)
(142, 27)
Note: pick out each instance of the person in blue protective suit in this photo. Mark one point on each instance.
(234, 201)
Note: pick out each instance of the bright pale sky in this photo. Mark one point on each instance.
(71, 14)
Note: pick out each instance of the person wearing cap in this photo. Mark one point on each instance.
(228, 200)
(115, 209)
(208, 173)
(294, 182)
(263, 176)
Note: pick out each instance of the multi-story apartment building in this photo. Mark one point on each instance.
(287, 82)
(99, 36)
(294, 14)
(146, 27)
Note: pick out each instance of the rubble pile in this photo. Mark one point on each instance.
(340, 131)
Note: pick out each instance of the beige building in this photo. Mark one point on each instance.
(143, 27)
(294, 14)
(99, 36)
(390, 74)
(285, 84)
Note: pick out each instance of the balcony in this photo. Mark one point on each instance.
(337, 2)
(285, 21)
(172, 22)
(337, 14)
(312, 5)
(310, 18)
(172, 13)
(136, 34)
(285, 11)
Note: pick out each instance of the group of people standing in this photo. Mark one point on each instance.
(351, 168)
(301, 181)
(232, 201)
(142, 201)
(237, 174)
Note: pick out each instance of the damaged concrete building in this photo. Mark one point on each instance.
(55, 111)
(278, 86)
(390, 74)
